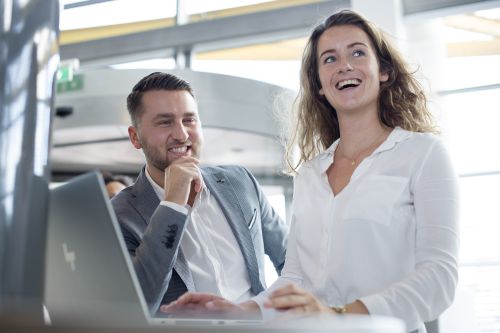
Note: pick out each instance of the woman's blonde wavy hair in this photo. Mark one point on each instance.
(402, 101)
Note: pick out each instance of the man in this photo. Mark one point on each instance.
(187, 227)
(115, 183)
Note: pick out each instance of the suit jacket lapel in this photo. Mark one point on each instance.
(220, 187)
(146, 202)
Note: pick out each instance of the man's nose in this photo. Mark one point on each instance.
(180, 133)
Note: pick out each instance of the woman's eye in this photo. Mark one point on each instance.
(329, 59)
(358, 53)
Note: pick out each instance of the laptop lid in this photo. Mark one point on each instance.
(90, 279)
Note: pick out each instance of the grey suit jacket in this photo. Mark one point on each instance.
(153, 232)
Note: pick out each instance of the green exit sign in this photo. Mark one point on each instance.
(64, 74)
(74, 85)
(66, 70)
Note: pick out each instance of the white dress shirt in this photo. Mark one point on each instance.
(210, 248)
(388, 239)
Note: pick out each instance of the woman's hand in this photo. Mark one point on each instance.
(297, 301)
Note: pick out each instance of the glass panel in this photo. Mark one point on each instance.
(160, 63)
(203, 6)
(114, 12)
(276, 63)
(479, 218)
(469, 122)
(473, 49)
(465, 72)
(281, 73)
(472, 126)
(199, 10)
(480, 248)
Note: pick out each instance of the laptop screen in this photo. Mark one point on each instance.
(89, 277)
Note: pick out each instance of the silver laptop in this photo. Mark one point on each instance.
(90, 279)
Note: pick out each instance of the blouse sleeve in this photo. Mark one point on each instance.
(430, 288)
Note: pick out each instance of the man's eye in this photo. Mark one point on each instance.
(189, 120)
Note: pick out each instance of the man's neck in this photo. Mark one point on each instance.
(156, 175)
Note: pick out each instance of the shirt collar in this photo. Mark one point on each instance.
(325, 159)
(397, 135)
(160, 192)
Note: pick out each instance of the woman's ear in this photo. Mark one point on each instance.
(384, 76)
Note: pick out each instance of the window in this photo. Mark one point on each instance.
(471, 114)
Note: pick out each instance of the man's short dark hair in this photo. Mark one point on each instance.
(108, 177)
(153, 81)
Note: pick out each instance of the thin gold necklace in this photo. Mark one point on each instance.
(353, 160)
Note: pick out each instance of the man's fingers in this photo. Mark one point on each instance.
(185, 161)
(190, 301)
(184, 172)
(180, 181)
(168, 308)
(195, 298)
(179, 303)
(222, 305)
(198, 185)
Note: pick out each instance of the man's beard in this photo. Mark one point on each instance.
(155, 157)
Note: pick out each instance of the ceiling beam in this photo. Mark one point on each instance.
(475, 24)
(474, 48)
(418, 6)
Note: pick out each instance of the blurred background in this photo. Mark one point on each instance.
(243, 59)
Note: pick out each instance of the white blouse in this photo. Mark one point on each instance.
(388, 239)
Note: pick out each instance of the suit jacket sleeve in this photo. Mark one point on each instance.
(153, 246)
(274, 229)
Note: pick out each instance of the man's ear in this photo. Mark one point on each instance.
(133, 135)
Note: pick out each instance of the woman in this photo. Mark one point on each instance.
(374, 226)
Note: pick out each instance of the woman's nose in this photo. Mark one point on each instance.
(344, 65)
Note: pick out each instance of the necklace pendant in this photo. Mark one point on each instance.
(353, 162)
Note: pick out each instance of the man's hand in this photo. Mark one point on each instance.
(182, 176)
(201, 302)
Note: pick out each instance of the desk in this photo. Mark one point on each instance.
(343, 324)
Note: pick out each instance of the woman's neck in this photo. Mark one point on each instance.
(358, 133)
